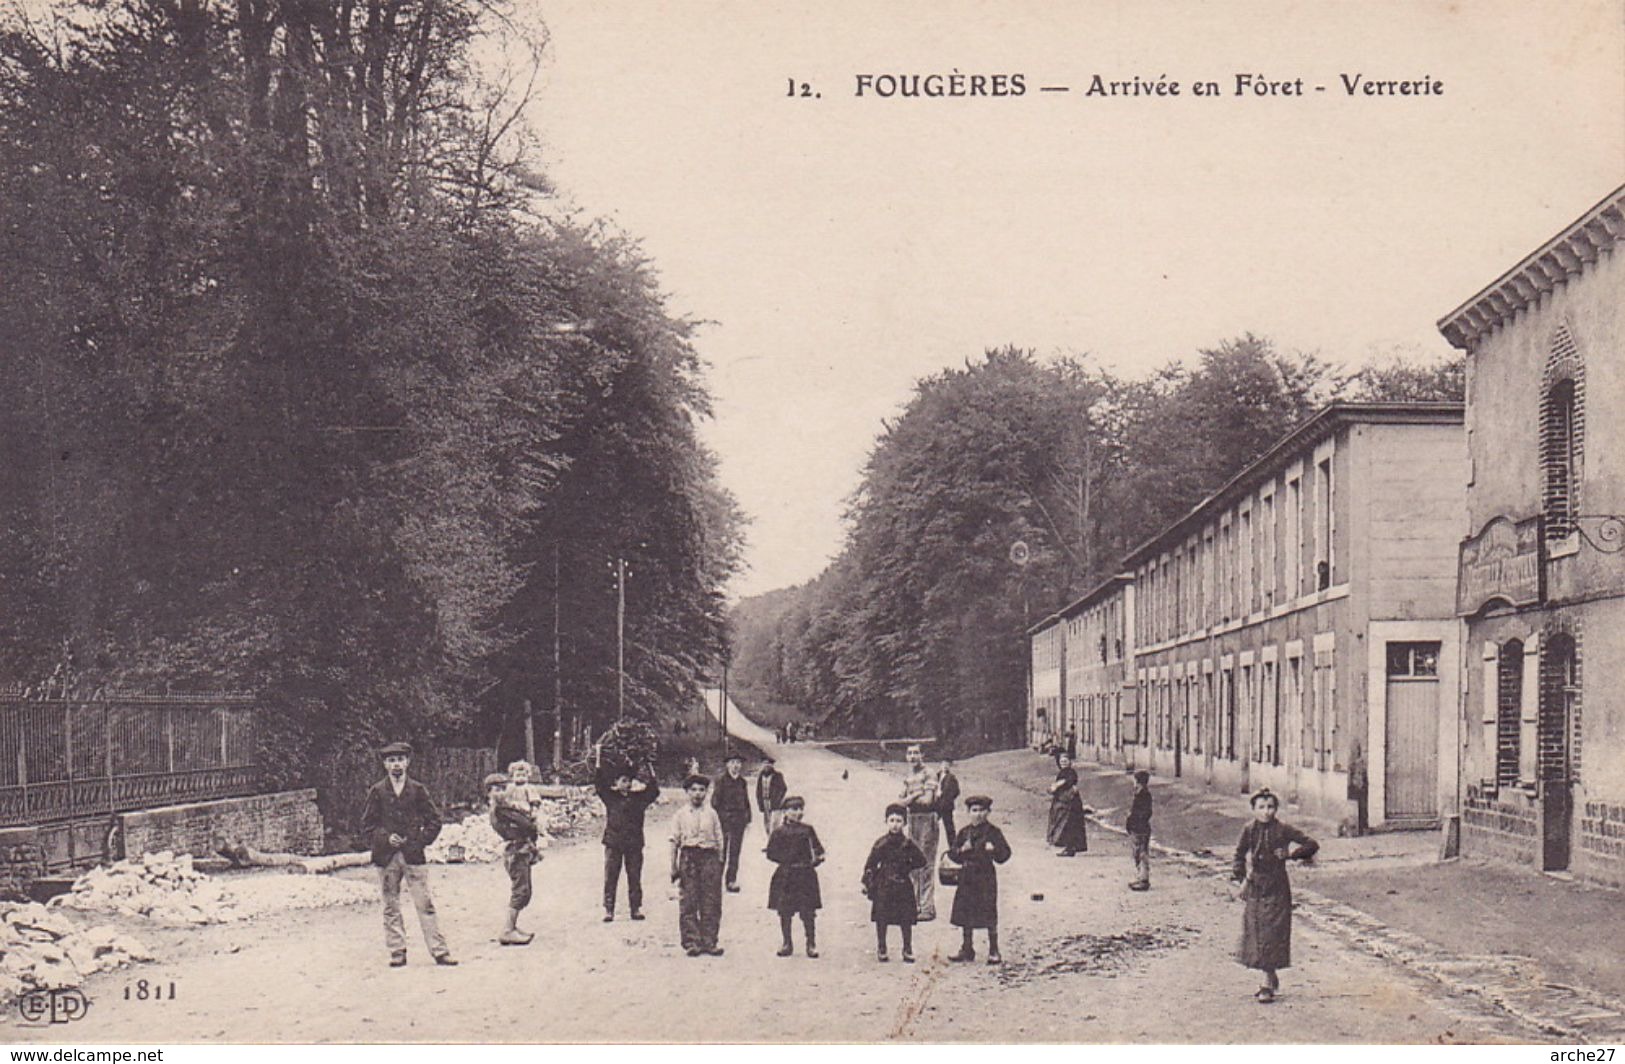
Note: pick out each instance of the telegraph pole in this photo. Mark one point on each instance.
(620, 638)
(558, 679)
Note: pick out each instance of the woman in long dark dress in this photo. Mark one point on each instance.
(979, 848)
(1067, 828)
(888, 880)
(1266, 845)
(795, 848)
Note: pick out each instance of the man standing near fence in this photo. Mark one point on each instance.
(400, 820)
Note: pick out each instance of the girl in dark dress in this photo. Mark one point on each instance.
(1266, 845)
(978, 848)
(1066, 811)
(795, 848)
(888, 882)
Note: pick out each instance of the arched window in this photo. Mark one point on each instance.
(1562, 434)
(1509, 709)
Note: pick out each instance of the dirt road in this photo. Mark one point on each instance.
(1091, 962)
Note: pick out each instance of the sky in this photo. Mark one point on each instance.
(841, 247)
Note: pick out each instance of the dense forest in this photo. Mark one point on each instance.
(313, 391)
(917, 626)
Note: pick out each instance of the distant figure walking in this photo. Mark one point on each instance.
(920, 796)
(1266, 845)
(1067, 828)
(947, 797)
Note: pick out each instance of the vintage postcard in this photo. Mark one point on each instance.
(549, 521)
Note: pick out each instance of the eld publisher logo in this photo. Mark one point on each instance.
(53, 1006)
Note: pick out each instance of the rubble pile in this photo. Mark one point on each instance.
(159, 886)
(474, 839)
(41, 949)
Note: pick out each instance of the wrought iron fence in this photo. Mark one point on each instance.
(66, 756)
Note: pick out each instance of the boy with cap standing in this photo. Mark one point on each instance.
(1139, 831)
(400, 819)
(979, 847)
(796, 850)
(696, 866)
(511, 818)
(730, 797)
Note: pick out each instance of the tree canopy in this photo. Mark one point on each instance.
(305, 401)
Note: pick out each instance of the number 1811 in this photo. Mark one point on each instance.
(142, 990)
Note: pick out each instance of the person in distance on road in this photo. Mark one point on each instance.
(979, 847)
(796, 850)
(889, 885)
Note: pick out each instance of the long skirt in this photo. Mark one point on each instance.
(1067, 827)
(794, 890)
(922, 831)
(1266, 931)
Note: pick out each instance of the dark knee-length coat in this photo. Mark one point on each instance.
(886, 880)
(1260, 867)
(797, 852)
(979, 848)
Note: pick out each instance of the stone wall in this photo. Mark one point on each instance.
(1601, 855)
(22, 860)
(287, 822)
(1501, 826)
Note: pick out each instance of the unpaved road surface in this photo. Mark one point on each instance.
(1090, 962)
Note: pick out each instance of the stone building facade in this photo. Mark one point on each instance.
(1541, 573)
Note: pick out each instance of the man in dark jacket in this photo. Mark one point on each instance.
(770, 792)
(947, 796)
(1139, 831)
(626, 796)
(731, 799)
(400, 819)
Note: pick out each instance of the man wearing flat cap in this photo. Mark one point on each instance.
(400, 820)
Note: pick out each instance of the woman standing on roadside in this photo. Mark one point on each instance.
(1066, 824)
(1266, 845)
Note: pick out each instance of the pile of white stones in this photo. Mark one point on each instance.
(161, 887)
(42, 950)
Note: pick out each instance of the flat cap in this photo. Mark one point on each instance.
(496, 778)
(978, 801)
(695, 777)
(393, 749)
(795, 801)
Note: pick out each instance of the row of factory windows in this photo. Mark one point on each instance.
(1256, 556)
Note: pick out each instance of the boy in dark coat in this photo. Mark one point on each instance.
(1139, 831)
(730, 797)
(889, 884)
(979, 847)
(400, 819)
(626, 799)
(796, 850)
(511, 818)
